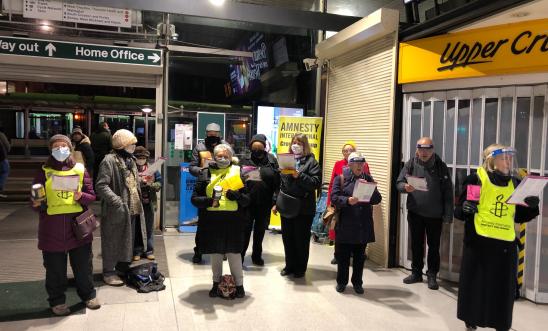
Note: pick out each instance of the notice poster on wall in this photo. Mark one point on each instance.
(183, 136)
(310, 126)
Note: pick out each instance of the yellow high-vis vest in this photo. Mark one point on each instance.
(220, 177)
(62, 202)
(495, 218)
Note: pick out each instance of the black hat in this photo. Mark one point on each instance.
(258, 138)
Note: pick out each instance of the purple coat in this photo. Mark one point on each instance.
(55, 231)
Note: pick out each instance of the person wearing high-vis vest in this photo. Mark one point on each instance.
(222, 201)
(487, 284)
(56, 238)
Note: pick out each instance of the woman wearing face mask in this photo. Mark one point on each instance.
(297, 204)
(222, 200)
(121, 207)
(487, 283)
(56, 238)
(262, 179)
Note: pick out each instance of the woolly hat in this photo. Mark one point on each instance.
(60, 137)
(141, 151)
(258, 138)
(213, 127)
(77, 129)
(122, 139)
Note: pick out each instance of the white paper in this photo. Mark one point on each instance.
(529, 186)
(287, 161)
(251, 173)
(156, 166)
(65, 183)
(363, 190)
(419, 183)
(183, 136)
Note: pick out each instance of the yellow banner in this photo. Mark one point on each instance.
(288, 126)
(502, 49)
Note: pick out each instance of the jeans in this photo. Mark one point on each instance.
(138, 247)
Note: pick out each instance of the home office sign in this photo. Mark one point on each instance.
(497, 50)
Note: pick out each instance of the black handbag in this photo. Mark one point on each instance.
(84, 225)
(287, 205)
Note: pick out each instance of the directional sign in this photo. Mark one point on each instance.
(83, 52)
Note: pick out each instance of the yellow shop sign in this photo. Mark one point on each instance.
(497, 50)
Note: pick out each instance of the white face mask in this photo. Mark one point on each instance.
(297, 149)
(141, 162)
(130, 149)
(60, 153)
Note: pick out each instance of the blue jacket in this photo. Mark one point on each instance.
(355, 224)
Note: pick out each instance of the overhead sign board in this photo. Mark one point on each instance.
(70, 12)
(82, 52)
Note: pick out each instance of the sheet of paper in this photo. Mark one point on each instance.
(156, 166)
(251, 173)
(287, 161)
(363, 190)
(65, 183)
(419, 183)
(529, 186)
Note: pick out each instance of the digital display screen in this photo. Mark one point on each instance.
(268, 118)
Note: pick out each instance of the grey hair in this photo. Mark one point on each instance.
(223, 147)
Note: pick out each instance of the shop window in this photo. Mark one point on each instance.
(416, 108)
(426, 119)
(458, 227)
(475, 138)
(490, 122)
(536, 143)
(523, 114)
(505, 130)
(437, 128)
(449, 132)
(462, 132)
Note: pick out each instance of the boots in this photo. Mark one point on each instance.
(214, 292)
(432, 283)
(240, 292)
(413, 278)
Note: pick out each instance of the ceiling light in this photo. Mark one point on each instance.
(146, 109)
(217, 3)
(45, 26)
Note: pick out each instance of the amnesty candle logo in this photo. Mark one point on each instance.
(499, 209)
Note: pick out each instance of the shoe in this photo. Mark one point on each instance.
(197, 258)
(151, 257)
(214, 292)
(413, 278)
(240, 292)
(334, 260)
(93, 304)
(61, 310)
(340, 288)
(470, 327)
(358, 289)
(257, 261)
(113, 280)
(298, 275)
(136, 258)
(286, 272)
(432, 283)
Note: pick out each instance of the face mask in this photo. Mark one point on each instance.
(297, 149)
(130, 149)
(141, 162)
(257, 153)
(60, 153)
(222, 162)
(212, 141)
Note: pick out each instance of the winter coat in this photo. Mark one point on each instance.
(337, 170)
(304, 186)
(263, 193)
(101, 143)
(84, 147)
(219, 232)
(116, 233)
(355, 224)
(487, 284)
(55, 232)
(438, 201)
(194, 166)
(149, 192)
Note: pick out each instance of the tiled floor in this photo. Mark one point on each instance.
(274, 302)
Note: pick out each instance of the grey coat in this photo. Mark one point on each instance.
(116, 229)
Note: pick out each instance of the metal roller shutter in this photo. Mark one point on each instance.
(360, 106)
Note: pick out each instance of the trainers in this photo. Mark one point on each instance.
(136, 258)
(358, 289)
(61, 310)
(214, 292)
(113, 280)
(340, 288)
(197, 258)
(334, 260)
(413, 278)
(151, 257)
(240, 292)
(432, 283)
(93, 304)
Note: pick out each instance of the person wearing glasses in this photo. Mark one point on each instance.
(428, 206)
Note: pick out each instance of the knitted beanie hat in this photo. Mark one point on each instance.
(258, 138)
(141, 151)
(60, 137)
(122, 139)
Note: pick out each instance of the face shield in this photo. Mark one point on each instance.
(504, 161)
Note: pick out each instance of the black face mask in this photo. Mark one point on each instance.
(257, 153)
(212, 141)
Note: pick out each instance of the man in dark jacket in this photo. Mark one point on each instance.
(427, 208)
(202, 154)
(262, 179)
(101, 143)
(82, 144)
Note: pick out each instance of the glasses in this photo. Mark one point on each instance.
(348, 151)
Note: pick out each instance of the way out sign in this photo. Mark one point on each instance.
(75, 51)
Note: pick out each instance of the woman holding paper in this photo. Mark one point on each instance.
(296, 204)
(489, 264)
(68, 192)
(354, 193)
(222, 199)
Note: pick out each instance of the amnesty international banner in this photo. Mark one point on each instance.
(287, 127)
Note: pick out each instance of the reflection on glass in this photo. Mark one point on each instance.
(426, 119)
(490, 122)
(416, 108)
(476, 133)
(536, 149)
(437, 129)
(505, 131)
(458, 227)
(522, 131)
(449, 131)
(462, 132)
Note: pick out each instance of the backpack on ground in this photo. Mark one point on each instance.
(145, 278)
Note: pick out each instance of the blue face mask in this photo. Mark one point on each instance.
(61, 153)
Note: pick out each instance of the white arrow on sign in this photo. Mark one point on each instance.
(155, 58)
(50, 48)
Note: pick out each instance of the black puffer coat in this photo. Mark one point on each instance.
(303, 187)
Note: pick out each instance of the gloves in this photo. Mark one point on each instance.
(233, 195)
(470, 207)
(532, 201)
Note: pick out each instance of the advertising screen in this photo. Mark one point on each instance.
(268, 118)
